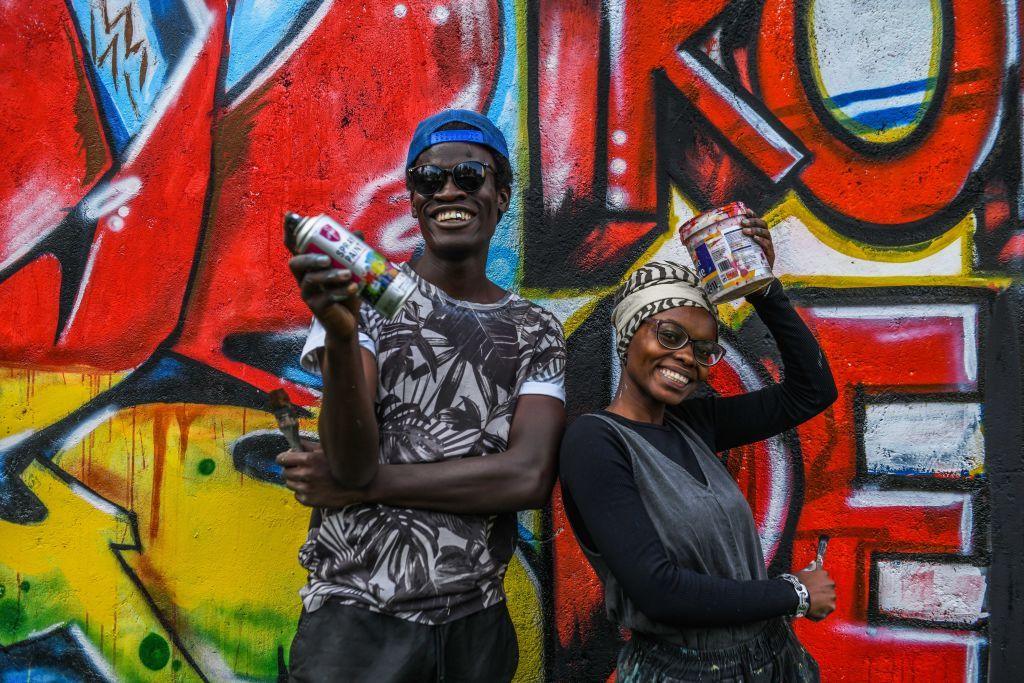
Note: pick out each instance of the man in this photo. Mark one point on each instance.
(435, 428)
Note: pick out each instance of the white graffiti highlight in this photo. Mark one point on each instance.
(202, 19)
(876, 498)
(932, 591)
(968, 314)
(110, 198)
(763, 127)
(955, 443)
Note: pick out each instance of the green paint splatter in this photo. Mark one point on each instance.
(176, 665)
(154, 652)
(3, 590)
(207, 466)
(12, 616)
(25, 585)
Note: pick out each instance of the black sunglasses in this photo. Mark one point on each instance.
(428, 180)
(672, 336)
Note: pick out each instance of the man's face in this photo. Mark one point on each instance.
(455, 223)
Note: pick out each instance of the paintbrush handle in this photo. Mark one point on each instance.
(291, 435)
(822, 546)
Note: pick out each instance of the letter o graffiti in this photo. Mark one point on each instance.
(891, 193)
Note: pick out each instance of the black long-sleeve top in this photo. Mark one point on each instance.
(607, 513)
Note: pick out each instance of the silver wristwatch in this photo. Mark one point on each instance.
(801, 593)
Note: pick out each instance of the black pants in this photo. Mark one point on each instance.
(339, 643)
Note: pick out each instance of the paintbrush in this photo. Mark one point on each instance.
(819, 559)
(285, 412)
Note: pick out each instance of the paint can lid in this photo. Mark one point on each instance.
(708, 218)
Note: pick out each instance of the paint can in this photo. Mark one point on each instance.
(381, 283)
(729, 263)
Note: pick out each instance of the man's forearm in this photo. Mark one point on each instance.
(500, 482)
(347, 425)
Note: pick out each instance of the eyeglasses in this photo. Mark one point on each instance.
(428, 180)
(672, 336)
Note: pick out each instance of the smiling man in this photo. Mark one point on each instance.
(436, 427)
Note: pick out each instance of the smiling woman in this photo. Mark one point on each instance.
(660, 518)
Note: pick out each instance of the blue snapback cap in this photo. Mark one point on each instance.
(428, 135)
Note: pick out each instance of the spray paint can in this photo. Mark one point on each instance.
(380, 282)
(729, 263)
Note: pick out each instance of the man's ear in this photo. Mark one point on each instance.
(412, 207)
(504, 199)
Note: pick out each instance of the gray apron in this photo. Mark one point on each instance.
(708, 528)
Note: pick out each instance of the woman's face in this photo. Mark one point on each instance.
(669, 375)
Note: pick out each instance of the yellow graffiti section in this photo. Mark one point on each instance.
(66, 570)
(213, 560)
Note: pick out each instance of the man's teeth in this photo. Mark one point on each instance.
(451, 215)
(674, 376)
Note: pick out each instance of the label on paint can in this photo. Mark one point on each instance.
(380, 282)
(729, 263)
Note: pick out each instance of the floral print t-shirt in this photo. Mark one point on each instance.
(449, 375)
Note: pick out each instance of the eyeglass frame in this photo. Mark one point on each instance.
(658, 322)
(449, 173)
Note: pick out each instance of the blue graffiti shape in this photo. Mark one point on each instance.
(259, 31)
(131, 49)
(255, 453)
(164, 378)
(273, 352)
(62, 654)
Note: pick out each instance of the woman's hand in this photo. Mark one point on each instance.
(822, 591)
(755, 228)
(329, 293)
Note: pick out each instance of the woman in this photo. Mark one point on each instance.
(657, 514)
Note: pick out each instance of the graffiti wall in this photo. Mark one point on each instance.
(152, 148)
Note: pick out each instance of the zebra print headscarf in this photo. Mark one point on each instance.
(651, 289)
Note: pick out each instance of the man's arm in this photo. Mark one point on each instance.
(347, 424)
(519, 478)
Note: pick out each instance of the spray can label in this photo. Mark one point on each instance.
(381, 282)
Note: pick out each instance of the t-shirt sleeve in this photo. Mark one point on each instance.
(369, 331)
(545, 374)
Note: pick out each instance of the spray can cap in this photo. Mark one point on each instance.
(291, 224)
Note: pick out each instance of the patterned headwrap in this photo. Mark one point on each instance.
(651, 289)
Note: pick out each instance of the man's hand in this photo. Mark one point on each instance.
(308, 476)
(329, 293)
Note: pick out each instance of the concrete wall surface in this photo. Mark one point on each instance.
(146, 308)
